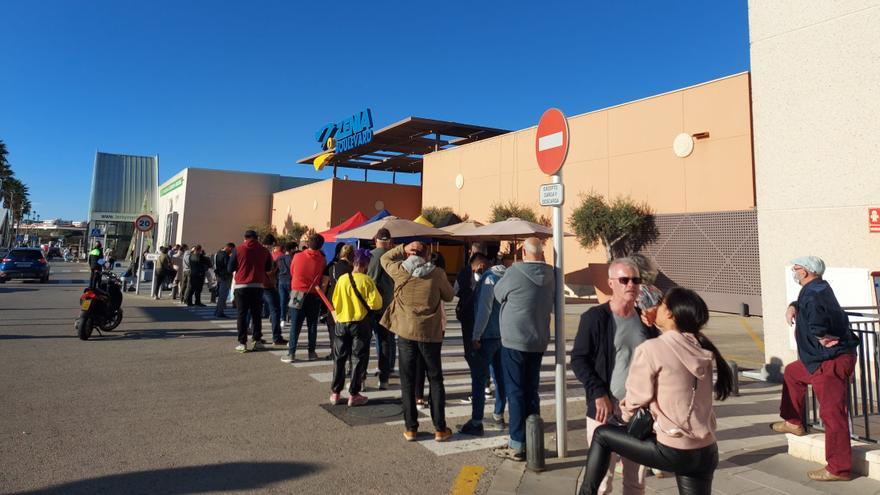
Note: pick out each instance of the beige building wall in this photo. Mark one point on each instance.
(815, 76)
(216, 206)
(623, 150)
(330, 202)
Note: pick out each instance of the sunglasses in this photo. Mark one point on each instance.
(627, 280)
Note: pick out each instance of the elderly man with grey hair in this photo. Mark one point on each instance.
(826, 359)
(526, 296)
(607, 337)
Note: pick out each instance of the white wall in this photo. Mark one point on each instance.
(816, 117)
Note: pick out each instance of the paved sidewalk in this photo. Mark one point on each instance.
(753, 459)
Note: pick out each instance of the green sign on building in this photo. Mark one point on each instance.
(170, 187)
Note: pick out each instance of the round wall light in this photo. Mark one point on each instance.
(683, 145)
(459, 181)
(315, 205)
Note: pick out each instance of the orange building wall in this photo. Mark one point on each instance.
(309, 205)
(624, 150)
(327, 203)
(350, 196)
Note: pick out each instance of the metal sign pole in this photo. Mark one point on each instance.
(140, 270)
(559, 324)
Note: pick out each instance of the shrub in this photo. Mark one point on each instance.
(512, 209)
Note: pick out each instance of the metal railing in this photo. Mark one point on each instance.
(863, 393)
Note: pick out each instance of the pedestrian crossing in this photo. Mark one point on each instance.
(455, 373)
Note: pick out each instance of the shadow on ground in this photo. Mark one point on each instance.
(226, 477)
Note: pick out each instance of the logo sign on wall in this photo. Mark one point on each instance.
(551, 141)
(144, 223)
(874, 220)
(348, 133)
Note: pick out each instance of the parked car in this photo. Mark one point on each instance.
(22, 263)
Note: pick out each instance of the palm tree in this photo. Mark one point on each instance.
(5, 168)
(16, 198)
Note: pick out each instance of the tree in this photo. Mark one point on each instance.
(512, 209)
(621, 226)
(293, 231)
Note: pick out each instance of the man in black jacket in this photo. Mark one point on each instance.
(606, 339)
(198, 266)
(464, 289)
(224, 278)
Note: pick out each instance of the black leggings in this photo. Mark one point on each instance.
(693, 468)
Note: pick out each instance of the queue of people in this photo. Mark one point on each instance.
(641, 354)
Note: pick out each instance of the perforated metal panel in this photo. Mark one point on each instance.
(715, 254)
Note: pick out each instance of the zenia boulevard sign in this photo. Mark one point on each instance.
(348, 133)
(344, 135)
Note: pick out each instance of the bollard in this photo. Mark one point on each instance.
(734, 369)
(535, 443)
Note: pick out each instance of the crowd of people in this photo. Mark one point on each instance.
(642, 353)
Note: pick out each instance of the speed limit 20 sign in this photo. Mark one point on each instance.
(144, 223)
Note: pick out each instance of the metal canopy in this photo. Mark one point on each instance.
(399, 147)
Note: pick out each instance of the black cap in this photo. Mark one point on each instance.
(383, 235)
(250, 234)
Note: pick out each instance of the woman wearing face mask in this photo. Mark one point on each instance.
(672, 376)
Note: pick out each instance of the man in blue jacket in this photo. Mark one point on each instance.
(485, 347)
(826, 359)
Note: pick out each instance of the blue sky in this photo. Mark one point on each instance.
(244, 85)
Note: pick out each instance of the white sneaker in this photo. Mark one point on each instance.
(241, 348)
(288, 359)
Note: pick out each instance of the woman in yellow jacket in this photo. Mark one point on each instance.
(354, 296)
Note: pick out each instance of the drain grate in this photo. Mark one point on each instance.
(374, 412)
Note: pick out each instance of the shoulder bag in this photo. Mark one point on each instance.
(360, 297)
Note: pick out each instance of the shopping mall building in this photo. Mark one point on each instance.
(743, 173)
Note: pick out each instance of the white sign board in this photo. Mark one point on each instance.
(852, 287)
(152, 256)
(552, 194)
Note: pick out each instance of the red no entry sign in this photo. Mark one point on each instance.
(551, 141)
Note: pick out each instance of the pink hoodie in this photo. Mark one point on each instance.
(672, 364)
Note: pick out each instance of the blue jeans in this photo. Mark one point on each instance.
(309, 313)
(522, 374)
(270, 304)
(223, 287)
(284, 296)
(489, 353)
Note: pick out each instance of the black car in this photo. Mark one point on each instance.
(22, 263)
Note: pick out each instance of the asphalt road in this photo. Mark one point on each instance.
(164, 405)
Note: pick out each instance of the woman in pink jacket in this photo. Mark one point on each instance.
(672, 376)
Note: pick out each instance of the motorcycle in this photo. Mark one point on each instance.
(100, 306)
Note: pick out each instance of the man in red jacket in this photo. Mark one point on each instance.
(306, 275)
(251, 262)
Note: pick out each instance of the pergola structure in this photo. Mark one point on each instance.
(400, 147)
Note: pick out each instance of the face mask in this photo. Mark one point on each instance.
(794, 275)
(477, 276)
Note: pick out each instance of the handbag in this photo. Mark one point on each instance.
(297, 297)
(641, 424)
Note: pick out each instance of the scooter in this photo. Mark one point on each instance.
(100, 306)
